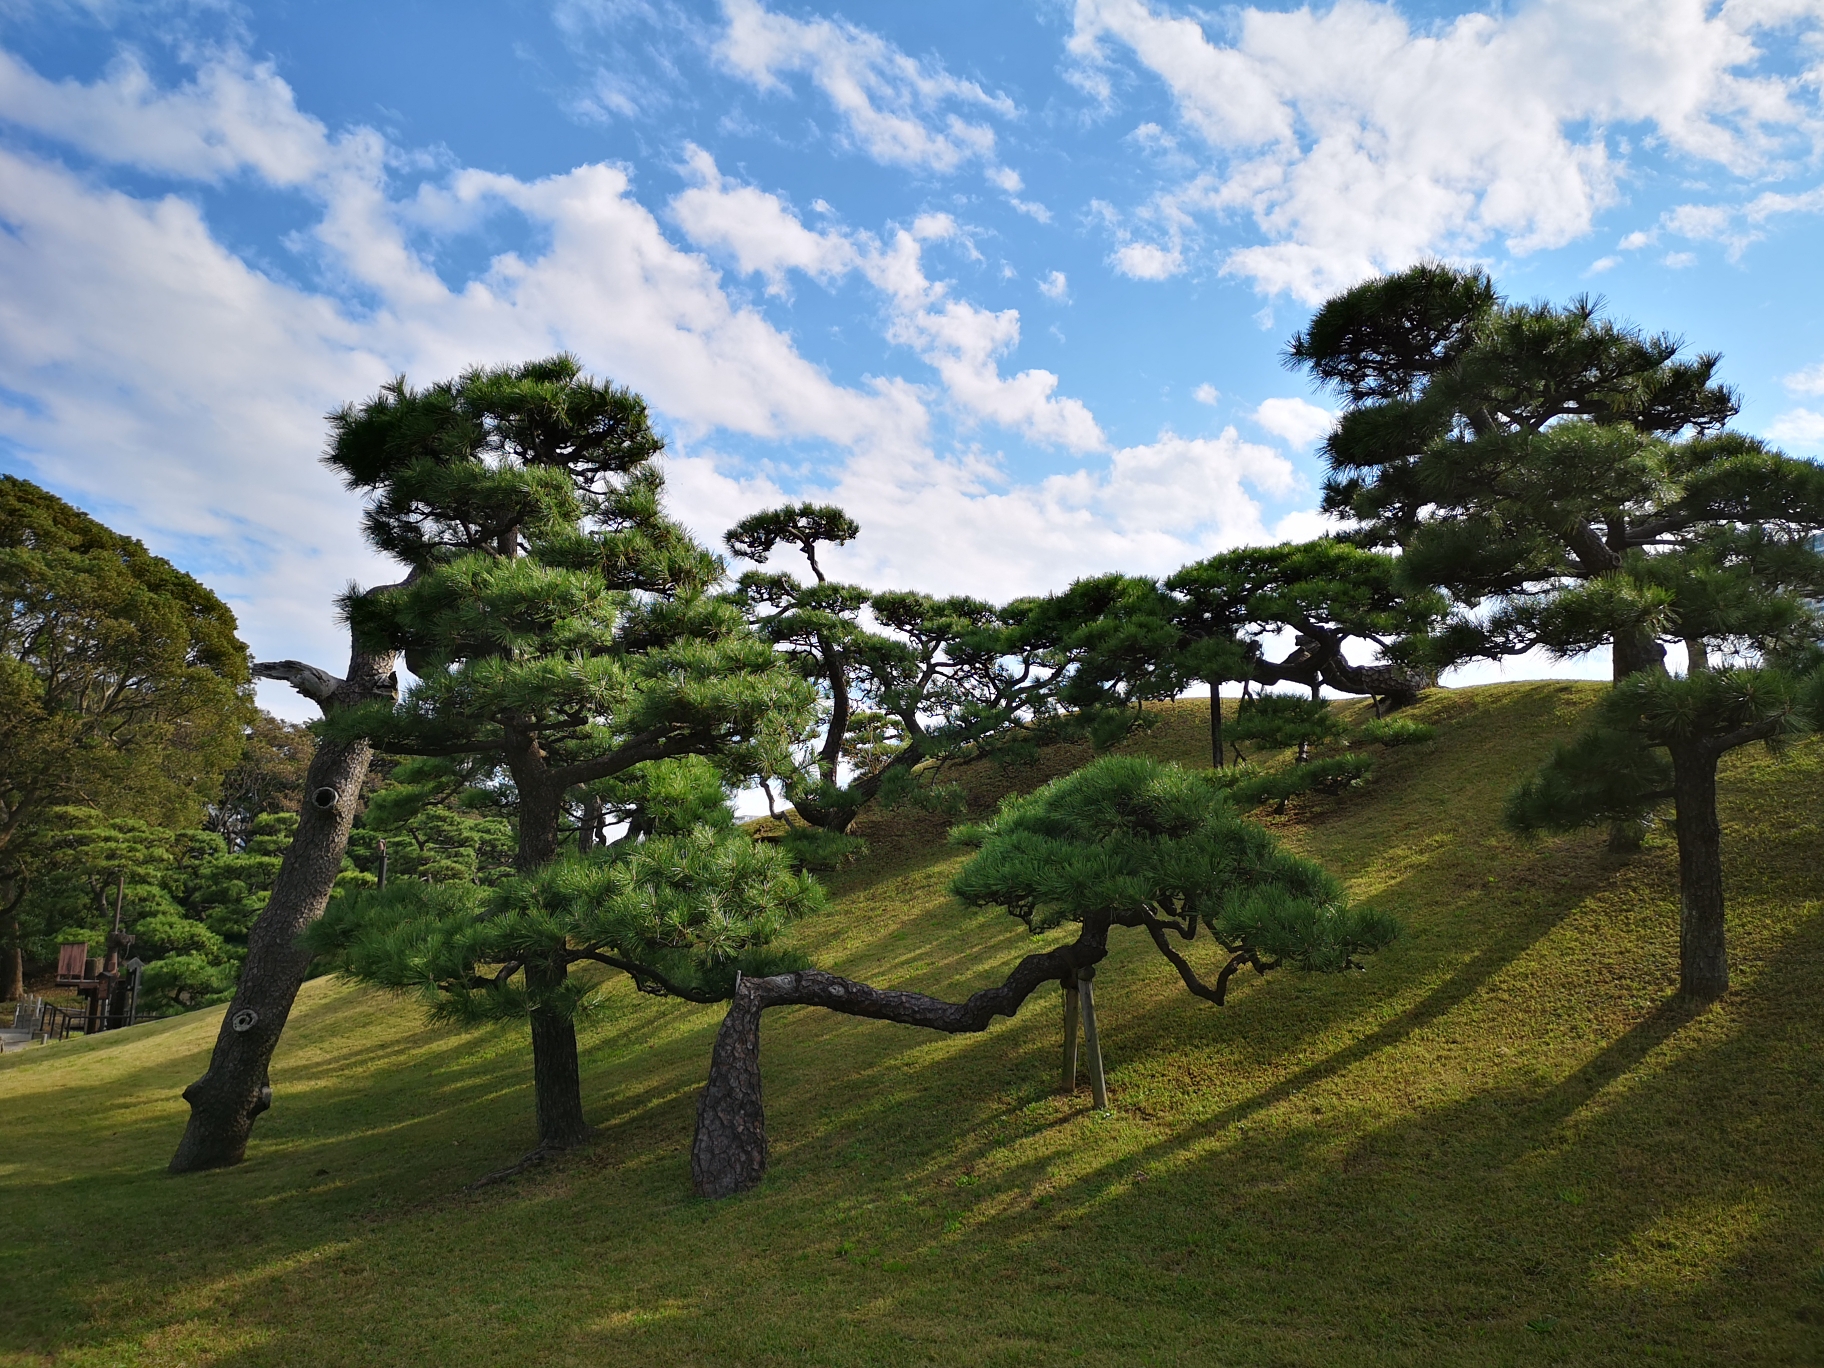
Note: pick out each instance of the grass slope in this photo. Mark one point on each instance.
(1503, 1144)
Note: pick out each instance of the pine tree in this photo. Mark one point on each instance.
(557, 620)
(1123, 842)
(1659, 737)
(817, 628)
(930, 679)
(1518, 451)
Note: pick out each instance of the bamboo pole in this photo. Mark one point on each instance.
(1069, 1079)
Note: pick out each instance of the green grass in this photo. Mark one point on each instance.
(1505, 1143)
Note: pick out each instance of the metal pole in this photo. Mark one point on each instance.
(1069, 1076)
(1098, 1085)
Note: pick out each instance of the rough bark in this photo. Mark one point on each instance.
(728, 1154)
(1703, 957)
(1397, 685)
(557, 1087)
(226, 1100)
(1635, 652)
(556, 1080)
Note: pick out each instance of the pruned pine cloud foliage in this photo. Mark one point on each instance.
(1132, 842)
(682, 914)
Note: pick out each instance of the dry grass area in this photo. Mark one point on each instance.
(1505, 1143)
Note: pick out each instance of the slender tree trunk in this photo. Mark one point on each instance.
(557, 1086)
(227, 1099)
(1215, 726)
(1703, 957)
(728, 1154)
(835, 671)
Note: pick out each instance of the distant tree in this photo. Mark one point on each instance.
(927, 679)
(1123, 842)
(1518, 451)
(1278, 721)
(559, 626)
(268, 777)
(817, 628)
(122, 687)
(1329, 596)
(1122, 640)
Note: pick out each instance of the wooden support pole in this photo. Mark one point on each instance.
(1098, 1085)
(1069, 1078)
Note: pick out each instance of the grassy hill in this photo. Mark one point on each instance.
(1505, 1143)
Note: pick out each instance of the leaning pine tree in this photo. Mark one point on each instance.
(1123, 842)
(558, 625)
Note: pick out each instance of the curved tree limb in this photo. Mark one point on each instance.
(728, 1154)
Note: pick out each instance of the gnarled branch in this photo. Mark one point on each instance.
(728, 1154)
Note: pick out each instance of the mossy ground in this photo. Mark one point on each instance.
(1505, 1143)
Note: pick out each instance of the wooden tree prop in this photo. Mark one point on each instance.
(1123, 842)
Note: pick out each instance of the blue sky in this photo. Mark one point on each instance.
(1011, 282)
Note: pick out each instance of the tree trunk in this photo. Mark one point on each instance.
(836, 673)
(557, 1085)
(225, 1101)
(15, 953)
(557, 1088)
(728, 1154)
(1215, 726)
(1703, 957)
(1634, 652)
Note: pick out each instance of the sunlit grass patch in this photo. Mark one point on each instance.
(1503, 1143)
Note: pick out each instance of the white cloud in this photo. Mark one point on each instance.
(1679, 260)
(1355, 143)
(1736, 226)
(179, 391)
(755, 227)
(957, 526)
(962, 341)
(899, 111)
(1601, 264)
(1055, 286)
(1799, 427)
(235, 116)
(1810, 380)
(1206, 393)
(1144, 261)
(1299, 424)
